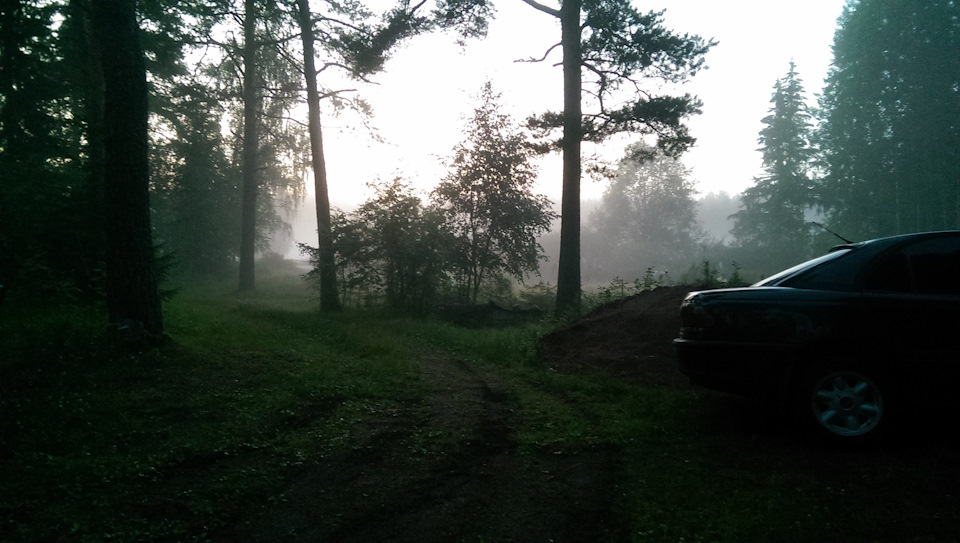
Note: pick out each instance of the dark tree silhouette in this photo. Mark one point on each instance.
(615, 47)
(891, 119)
(132, 291)
(772, 218)
(327, 270)
(252, 102)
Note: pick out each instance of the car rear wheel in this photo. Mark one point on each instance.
(847, 405)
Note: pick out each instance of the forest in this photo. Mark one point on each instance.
(169, 373)
(147, 145)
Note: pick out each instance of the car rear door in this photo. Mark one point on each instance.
(912, 302)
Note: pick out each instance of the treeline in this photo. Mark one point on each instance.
(209, 90)
(210, 94)
(878, 156)
(224, 155)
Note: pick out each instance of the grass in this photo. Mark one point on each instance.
(82, 419)
(175, 443)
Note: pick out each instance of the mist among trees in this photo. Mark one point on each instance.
(174, 150)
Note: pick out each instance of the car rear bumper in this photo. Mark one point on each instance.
(754, 370)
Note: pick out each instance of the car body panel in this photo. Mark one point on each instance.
(892, 305)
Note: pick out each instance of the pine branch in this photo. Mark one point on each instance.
(540, 7)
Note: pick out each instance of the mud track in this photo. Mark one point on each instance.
(447, 470)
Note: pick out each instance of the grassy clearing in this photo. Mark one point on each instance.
(176, 443)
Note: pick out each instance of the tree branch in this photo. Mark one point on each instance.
(353, 73)
(541, 59)
(540, 7)
(330, 94)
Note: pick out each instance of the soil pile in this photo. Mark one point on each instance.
(630, 337)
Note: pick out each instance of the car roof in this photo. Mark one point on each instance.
(844, 270)
(892, 240)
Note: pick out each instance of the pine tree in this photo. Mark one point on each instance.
(608, 45)
(772, 218)
(133, 297)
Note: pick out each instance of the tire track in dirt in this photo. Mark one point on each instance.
(448, 470)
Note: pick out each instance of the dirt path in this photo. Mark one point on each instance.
(448, 471)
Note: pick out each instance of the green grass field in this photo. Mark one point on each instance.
(260, 406)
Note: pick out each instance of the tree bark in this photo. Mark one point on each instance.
(568, 269)
(329, 295)
(81, 11)
(250, 156)
(132, 292)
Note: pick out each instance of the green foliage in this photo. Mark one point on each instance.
(488, 203)
(709, 275)
(619, 288)
(889, 132)
(50, 242)
(650, 280)
(364, 46)
(541, 295)
(195, 195)
(481, 230)
(735, 280)
(391, 250)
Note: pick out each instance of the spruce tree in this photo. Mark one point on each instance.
(772, 218)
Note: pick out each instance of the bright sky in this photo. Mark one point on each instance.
(430, 87)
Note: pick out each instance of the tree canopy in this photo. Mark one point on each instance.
(891, 119)
(492, 211)
(226, 111)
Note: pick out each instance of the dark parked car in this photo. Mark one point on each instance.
(852, 342)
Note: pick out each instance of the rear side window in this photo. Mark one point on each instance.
(792, 276)
(930, 266)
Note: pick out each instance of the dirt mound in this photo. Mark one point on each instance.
(631, 337)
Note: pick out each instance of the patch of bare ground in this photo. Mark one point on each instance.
(446, 470)
(630, 337)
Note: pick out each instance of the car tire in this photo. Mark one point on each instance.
(845, 404)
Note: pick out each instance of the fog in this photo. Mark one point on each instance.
(863, 144)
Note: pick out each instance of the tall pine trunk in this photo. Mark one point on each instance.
(250, 154)
(132, 292)
(329, 297)
(81, 12)
(568, 272)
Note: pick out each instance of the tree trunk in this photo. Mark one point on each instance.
(568, 271)
(93, 81)
(251, 140)
(132, 294)
(329, 296)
